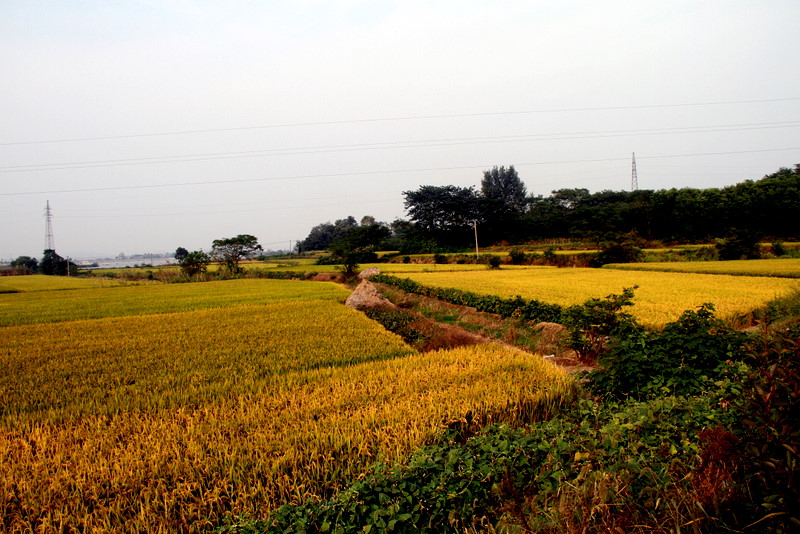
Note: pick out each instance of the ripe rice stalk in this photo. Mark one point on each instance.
(305, 436)
(660, 298)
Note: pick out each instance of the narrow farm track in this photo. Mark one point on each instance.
(481, 327)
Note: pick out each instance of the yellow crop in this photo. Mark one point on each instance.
(161, 361)
(246, 395)
(783, 267)
(661, 297)
(34, 307)
(40, 282)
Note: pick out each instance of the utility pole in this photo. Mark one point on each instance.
(634, 178)
(475, 226)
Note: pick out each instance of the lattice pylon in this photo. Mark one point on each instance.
(49, 242)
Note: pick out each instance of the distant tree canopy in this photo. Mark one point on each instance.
(359, 245)
(503, 200)
(53, 264)
(503, 191)
(230, 251)
(180, 254)
(322, 235)
(443, 214)
(194, 263)
(25, 263)
(769, 207)
(441, 217)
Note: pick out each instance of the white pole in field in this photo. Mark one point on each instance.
(475, 226)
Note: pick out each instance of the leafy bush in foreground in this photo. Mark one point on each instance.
(642, 452)
(591, 324)
(770, 429)
(682, 359)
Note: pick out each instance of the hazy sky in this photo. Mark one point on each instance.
(155, 124)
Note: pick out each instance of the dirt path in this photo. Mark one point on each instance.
(446, 325)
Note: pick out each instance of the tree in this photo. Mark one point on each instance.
(180, 254)
(359, 245)
(230, 251)
(54, 265)
(445, 213)
(322, 235)
(194, 263)
(25, 263)
(503, 200)
(571, 198)
(739, 245)
(503, 190)
(615, 248)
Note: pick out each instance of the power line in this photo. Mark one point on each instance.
(394, 171)
(393, 145)
(215, 211)
(398, 118)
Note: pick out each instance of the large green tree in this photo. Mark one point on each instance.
(231, 250)
(503, 200)
(503, 191)
(322, 235)
(444, 214)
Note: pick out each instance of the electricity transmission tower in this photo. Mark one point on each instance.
(49, 242)
(634, 178)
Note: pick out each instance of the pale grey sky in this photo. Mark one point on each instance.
(155, 124)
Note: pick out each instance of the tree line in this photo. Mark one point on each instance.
(445, 218)
(228, 251)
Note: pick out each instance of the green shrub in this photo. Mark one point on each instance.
(549, 255)
(396, 320)
(517, 256)
(195, 263)
(646, 451)
(739, 245)
(525, 310)
(770, 429)
(590, 324)
(625, 252)
(684, 358)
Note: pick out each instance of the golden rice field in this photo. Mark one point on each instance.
(660, 298)
(188, 402)
(142, 299)
(302, 266)
(39, 282)
(780, 267)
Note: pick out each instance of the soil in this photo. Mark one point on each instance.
(550, 342)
